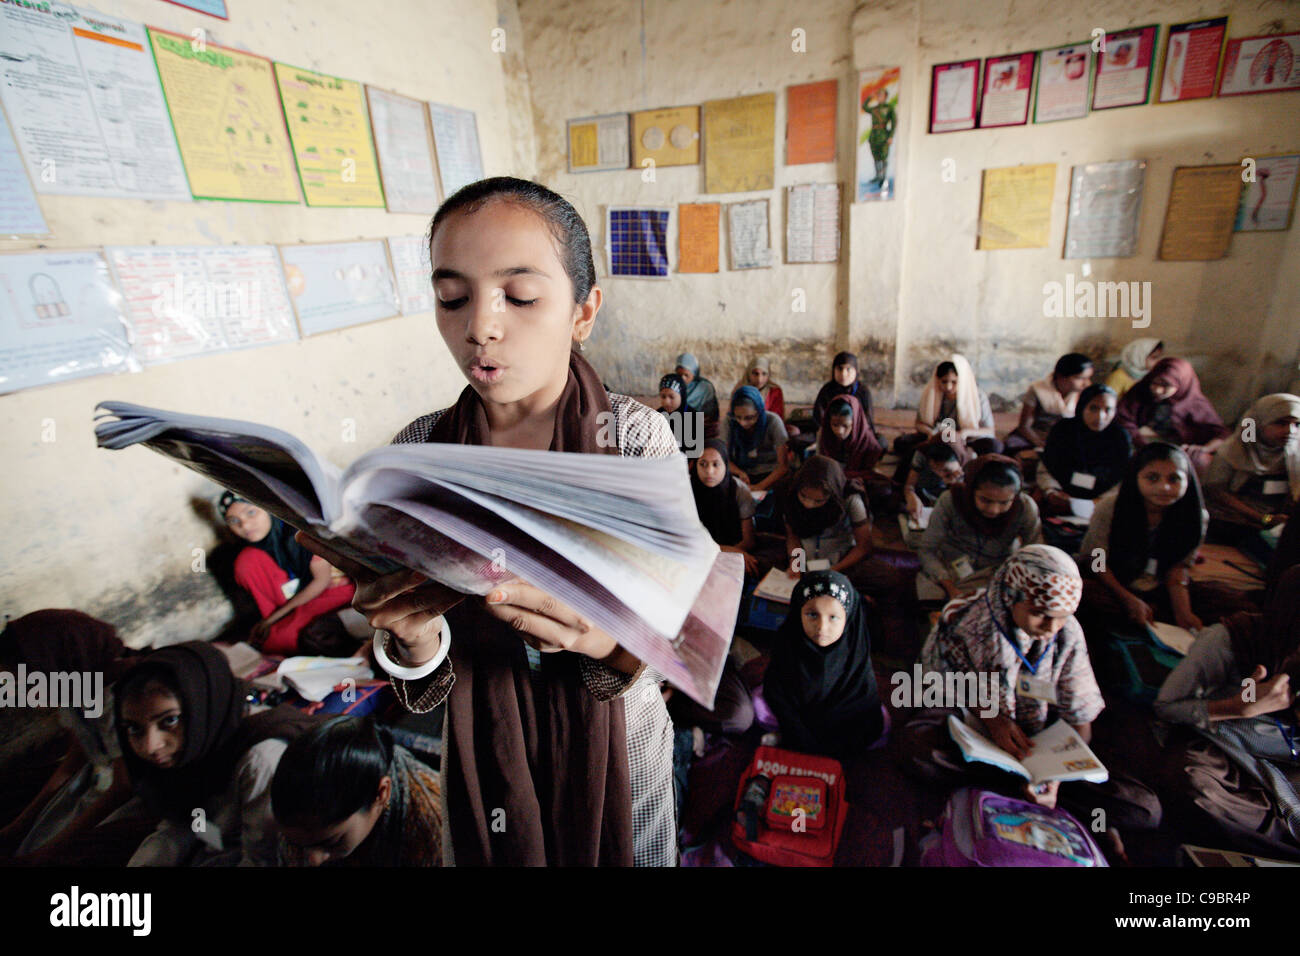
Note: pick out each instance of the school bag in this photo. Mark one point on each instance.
(790, 808)
(982, 828)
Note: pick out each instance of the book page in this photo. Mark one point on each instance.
(1060, 754)
(776, 586)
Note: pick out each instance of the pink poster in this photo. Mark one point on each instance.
(1007, 82)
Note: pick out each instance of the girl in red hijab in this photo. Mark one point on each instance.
(1168, 405)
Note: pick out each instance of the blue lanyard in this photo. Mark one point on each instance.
(1033, 668)
(1290, 741)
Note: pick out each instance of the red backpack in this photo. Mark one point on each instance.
(790, 808)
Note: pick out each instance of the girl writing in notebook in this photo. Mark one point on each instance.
(558, 746)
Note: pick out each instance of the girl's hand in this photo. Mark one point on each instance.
(951, 587)
(1139, 610)
(1272, 695)
(545, 623)
(1006, 733)
(751, 562)
(913, 504)
(405, 603)
(260, 632)
(1043, 794)
(1189, 621)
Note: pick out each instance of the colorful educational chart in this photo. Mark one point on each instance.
(598, 143)
(668, 137)
(739, 144)
(1192, 52)
(1016, 207)
(636, 239)
(1203, 203)
(1064, 82)
(405, 147)
(337, 284)
(83, 98)
(812, 223)
(213, 8)
(810, 110)
(226, 113)
(413, 272)
(1261, 65)
(1005, 98)
(697, 236)
(954, 96)
(455, 136)
(60, 319)
(1123, 74)
(20, 212)
(1105, 202)
(181, 301)
(747, 233)
(877, 123)
(1268, 202)
(330, 135)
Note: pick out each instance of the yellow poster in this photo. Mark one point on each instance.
(1016, 207)
(740, 144)
(1202, 210)
(331, 138)
(670, 137)
(227, 118)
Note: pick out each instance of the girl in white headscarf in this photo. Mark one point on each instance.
(1135, 360)
(1254, 478)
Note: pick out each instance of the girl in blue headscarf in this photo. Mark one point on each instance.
(755, 440)
(700, 394)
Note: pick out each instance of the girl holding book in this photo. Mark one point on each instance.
(1086, 455)
(1255, 476)
(558, 746)
(1168, 405)
(952, 395)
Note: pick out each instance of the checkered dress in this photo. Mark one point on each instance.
(642, 433)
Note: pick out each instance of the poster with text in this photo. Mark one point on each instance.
(455, 138)
(1105, 202)
(877, 126)
(1261, 65)
(337, 284)
(954, 96)
(1016, 207)
(405, 147)
(1268, 196)
(598, 143)
(20, 211)
(1005, 97)
(60, 319)
(1124, 69)
(1192, 53)
(1064, 83)
(739, 143)
(413, 272)
(83, 98)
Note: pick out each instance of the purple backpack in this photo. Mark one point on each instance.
(981, 828)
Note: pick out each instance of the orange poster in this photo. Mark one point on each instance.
(697, 237)
(810, 122)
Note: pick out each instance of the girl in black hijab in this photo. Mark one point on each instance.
(1085, 456)
(724, 502)
(198, 761)
(820, 684)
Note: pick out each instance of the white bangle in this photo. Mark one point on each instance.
(412, 673)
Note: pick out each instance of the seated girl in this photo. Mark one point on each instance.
(700, 393)
(292, 587)
(199, 761)
(759, 375)
(82, 815)
(1022, 624)
(936, 466)
(974, 527)
(820, 685)
(1049, 401)
(846, 436)
(1168, 405)
(345, 793)
(1255, 476)
(755, 440)
(844, 381)
(953, 406)
(672, 405)
(827, 519)
(1135, 360)
(1141, 544)
(1231, 757)
(724, 502)
(1085, 456)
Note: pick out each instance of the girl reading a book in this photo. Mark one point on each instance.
(1049, 401)
(974, 527)
(1141, 544)
(1168, 405)
(558, 746)
(1085, 455)
(952, 395)
(345, 794)
(1021, 625)
(199, 761)
(292, 587)
(1230, 730)
(1255, 475)
(755, 439)
(821, 685)
(724, 503)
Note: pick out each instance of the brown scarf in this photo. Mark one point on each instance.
(537, 746)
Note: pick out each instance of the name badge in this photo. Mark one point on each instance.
(289, 588)
(1039, 688)
(1276, 487)
(1152, 567)
(963, 568)
(1081, 479)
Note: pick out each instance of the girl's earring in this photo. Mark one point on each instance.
(581, 346)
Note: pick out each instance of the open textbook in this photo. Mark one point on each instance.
(616, 539)
(1059, 753)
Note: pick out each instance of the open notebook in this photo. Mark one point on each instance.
(616, 539)
(1059, 753)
